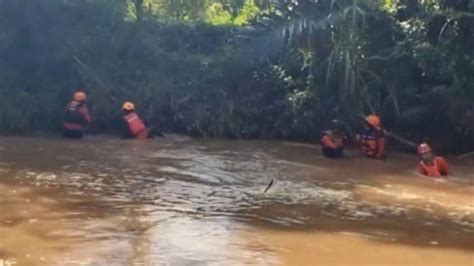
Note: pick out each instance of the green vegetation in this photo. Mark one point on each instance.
(243, 68)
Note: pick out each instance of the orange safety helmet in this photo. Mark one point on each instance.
(424, 148)
(373, 120)
(128, 106)
(79, 96)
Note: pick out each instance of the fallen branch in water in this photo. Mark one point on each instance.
(269, 186)
(466, 155)
(402, 140)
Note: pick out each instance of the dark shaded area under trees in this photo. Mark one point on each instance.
(243, 68)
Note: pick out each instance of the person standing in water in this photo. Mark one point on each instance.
(76, 116)
(430, 165)
(134, 127)
(332, 141)
(373, 140)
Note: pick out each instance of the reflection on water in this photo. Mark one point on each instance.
(178, 201)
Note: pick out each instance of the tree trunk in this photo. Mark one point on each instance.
(139, 9)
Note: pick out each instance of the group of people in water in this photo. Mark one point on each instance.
(372, 141)
(372, 145)
(77, 118)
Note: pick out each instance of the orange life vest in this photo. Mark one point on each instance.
(373, 143)
(369, 145)
(431, 170)
(76, 116)
(72, 114)
(136, 126)
(337, 141)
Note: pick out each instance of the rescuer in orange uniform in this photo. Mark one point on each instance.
(76, 116)
(332, 141)
(134, 126)
(373, 139)
(430, 165)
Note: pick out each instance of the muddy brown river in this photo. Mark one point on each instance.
(180, 201)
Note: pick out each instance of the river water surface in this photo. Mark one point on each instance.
(179, 201)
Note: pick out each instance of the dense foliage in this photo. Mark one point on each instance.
(243, 68)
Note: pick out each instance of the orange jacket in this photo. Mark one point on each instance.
(328, 140)
(373, 143)
(77, 116)
(136, 126)
(438, 168)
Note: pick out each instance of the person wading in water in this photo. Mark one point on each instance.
(431, 165)
(372, 141)
(332, 141)
(76, 116)
(135, 127)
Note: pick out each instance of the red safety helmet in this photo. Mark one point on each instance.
(373, 120)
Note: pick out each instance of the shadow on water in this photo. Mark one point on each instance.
(123, 194)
